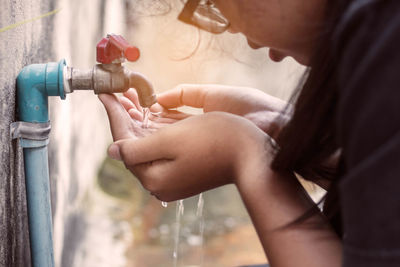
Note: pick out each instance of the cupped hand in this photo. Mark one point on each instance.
(260, 108)
(194, 155)
(126, 116)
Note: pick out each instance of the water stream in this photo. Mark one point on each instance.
(178, 225)
(200, 217)
(180, 209)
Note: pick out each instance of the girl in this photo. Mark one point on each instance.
(342, 132)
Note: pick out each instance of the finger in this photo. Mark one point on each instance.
(154, 177)
(162, 121)
(156, 108)
(160, 177)
(135, 114)
(158, 125)
(126, 103)
(174, 114)
(144, 150)
(120, 121)
(184, 95)
(132, 95)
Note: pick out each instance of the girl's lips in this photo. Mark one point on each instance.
(274, 55)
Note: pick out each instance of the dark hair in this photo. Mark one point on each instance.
(308, 140)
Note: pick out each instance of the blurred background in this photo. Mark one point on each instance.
(102, 216)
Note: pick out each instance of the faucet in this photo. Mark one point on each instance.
(110, 76)
(35, 83)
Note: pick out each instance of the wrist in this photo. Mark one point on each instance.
(254, 160)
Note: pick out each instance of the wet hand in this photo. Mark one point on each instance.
(158, 116)
(126, 116)
(254, 105)
(193, 155)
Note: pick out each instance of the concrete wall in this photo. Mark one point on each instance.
(79, 128)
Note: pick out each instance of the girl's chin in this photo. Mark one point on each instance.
(275, 55)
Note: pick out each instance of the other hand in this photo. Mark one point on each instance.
(260, 108)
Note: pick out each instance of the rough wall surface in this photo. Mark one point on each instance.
(71, 33)
(18, 47)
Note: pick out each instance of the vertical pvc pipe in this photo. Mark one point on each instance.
(38, 200)
(34, 84)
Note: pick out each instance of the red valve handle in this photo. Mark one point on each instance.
(131, 52)
(115, 47)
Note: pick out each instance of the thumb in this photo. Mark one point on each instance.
(142, 150)
(120, 120)
(184, 95)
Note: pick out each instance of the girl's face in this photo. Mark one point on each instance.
(287, 27)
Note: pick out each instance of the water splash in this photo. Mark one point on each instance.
(146, 114)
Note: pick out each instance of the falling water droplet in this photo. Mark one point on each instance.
(200, 205)
(180, 208)
(200, 217)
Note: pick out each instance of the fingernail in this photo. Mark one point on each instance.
(101, 97)
(113, 152)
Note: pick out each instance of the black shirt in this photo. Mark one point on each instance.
(368, 128)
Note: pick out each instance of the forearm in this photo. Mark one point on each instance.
(274, 200)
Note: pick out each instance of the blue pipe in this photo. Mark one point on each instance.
(34, 84)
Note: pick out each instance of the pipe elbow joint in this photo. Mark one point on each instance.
(34, 84)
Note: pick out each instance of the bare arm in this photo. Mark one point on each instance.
(274, 200)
